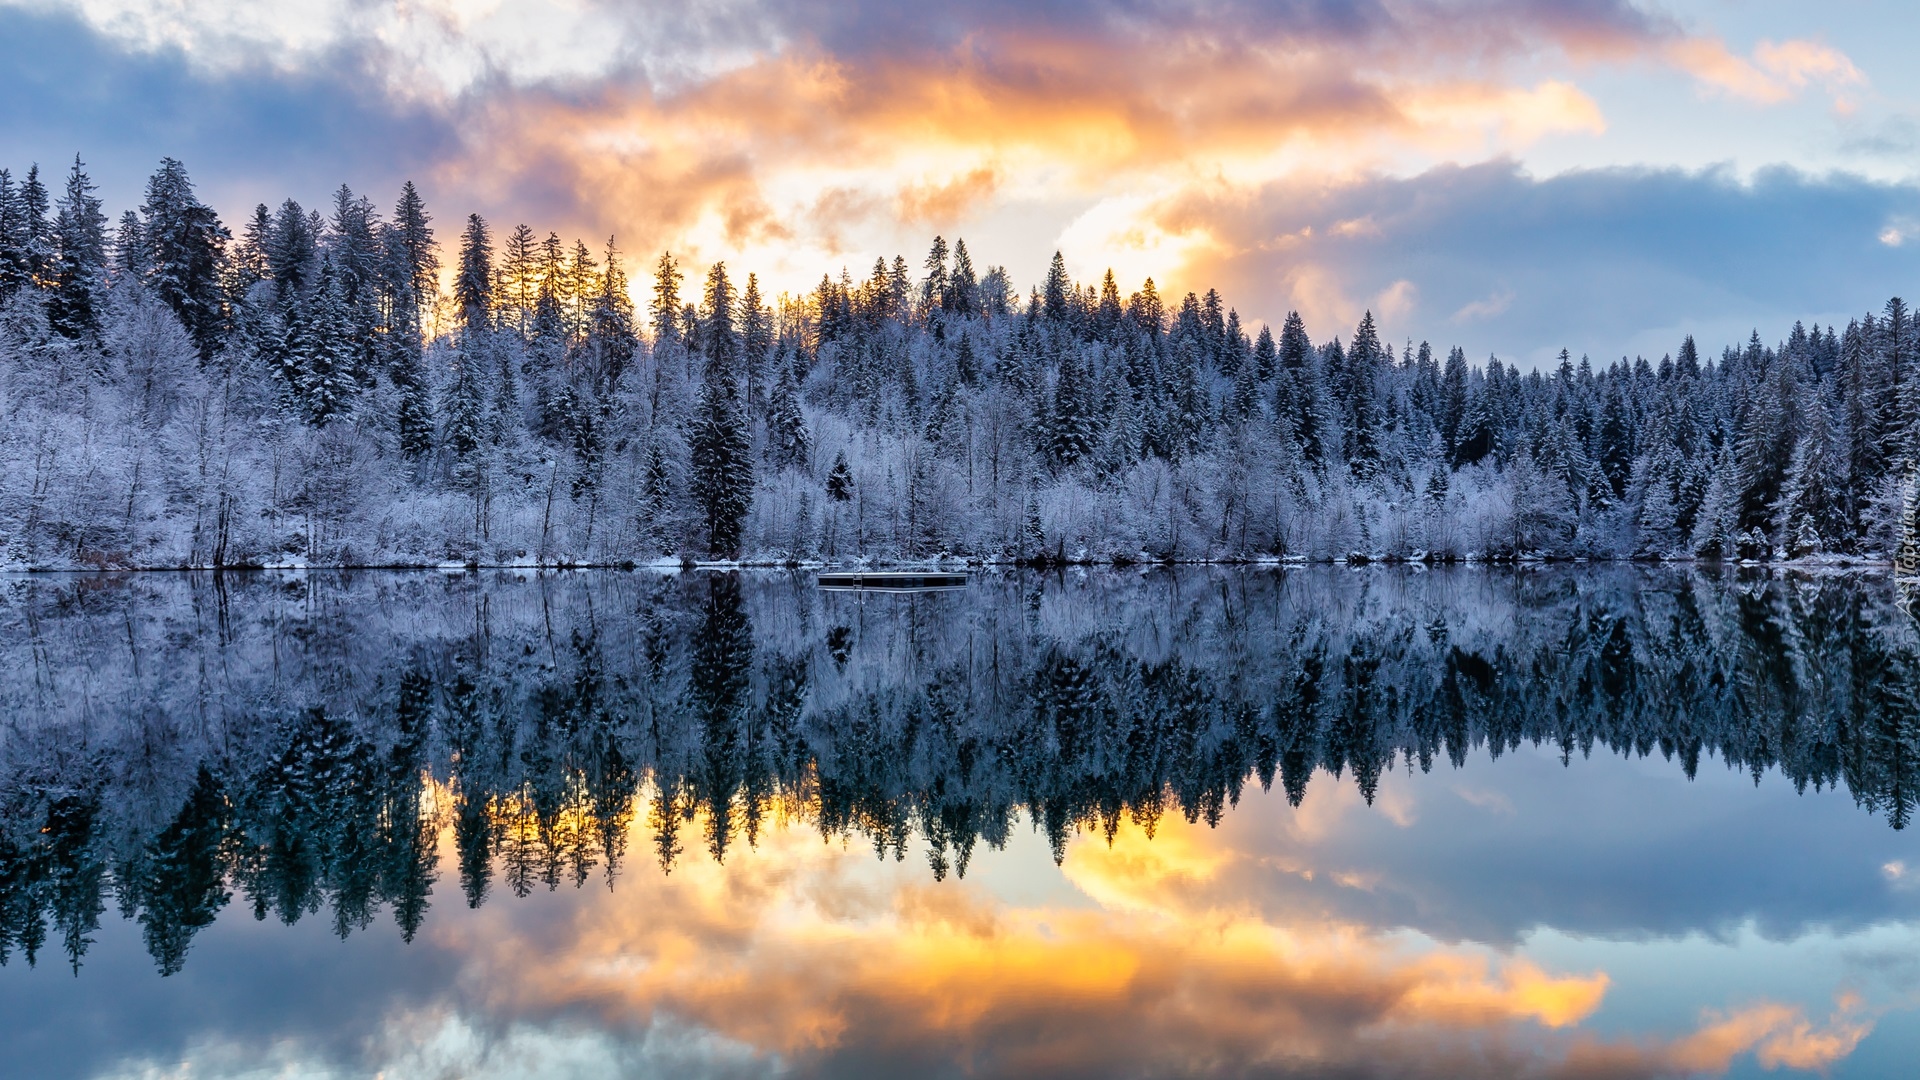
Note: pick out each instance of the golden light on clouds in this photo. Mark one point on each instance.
(793, 140)
(802, 949)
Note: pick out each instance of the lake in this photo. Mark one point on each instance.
(1562, 821)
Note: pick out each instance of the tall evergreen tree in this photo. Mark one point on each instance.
(413, 256)
(965, 285)
(80, 258)
(721, 451)
(1071, 431)
(1811, 514)
(1058, 287)
(664, 309)
(788, 444)
(473, 284)
(186, 251)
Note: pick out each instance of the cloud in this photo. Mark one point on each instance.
(1609, 262)
(1777, 72)
(819, 959)
(1242, 145)
(1486, 308)
(828, 963)
(716, 127)
(1777, 1035)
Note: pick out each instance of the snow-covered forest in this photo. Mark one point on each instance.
(301, 742)
(300, 389)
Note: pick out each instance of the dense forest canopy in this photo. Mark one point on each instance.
(302, 390)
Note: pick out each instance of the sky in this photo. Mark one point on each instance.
(1512, 176)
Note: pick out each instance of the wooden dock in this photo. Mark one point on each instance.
(893, 580)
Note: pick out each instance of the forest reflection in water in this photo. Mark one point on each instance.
(333, 746)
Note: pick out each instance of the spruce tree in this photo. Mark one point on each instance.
(1811, 514)
(406, 367)
(1266, 355)
(413, 259)
(721, 451)
(80, 259)
(1059, 285)
(1354, 386)
(520, 280)
(1716, 529)
(787, 440)
(130, 250)
(292, 251)
(473, 284)
(35, 230)
(13, 238)
(656, 503)
(936, 292)
(186, 252)
(966, 363)
(1453, 401)
(840, 479)
(965, 287)
(327, 382)
(1071, 432)
(612, 339)
(466, 408)
(756, 342)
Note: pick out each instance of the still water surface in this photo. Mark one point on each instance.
(1568, 822)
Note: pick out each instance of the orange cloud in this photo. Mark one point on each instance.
(740, 161)
(1776, 73)
(804, 952)
(1777, 1035)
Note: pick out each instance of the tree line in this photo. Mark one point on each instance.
(305, 391)
(180, 744)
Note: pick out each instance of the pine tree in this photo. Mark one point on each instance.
(186, 251)
(34, 231)
(936, 292)
(473, 285)
(1071, 432)
(840, 479)
(1658, 523)
(1354, 388)
(466, 405)
(787, 440)
(1266, 355)
(406, 366)
(583, 282)
(80, 259)
(965, 287)
(657, 499)
(1811, 514)
(966, 363)
(129, 255)
(413, 260)
(1716, 529)
(1033, 536)
(719, 341)
(14, 275)
(756, 342)
(612, 339)
(1235, 351)
(1765, 446)
(1058, 287)
(520, 280)
(1453, 403)
(1245, 400)
(721, 452)
(326, 382)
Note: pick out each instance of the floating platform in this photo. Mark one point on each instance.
(893, 580)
